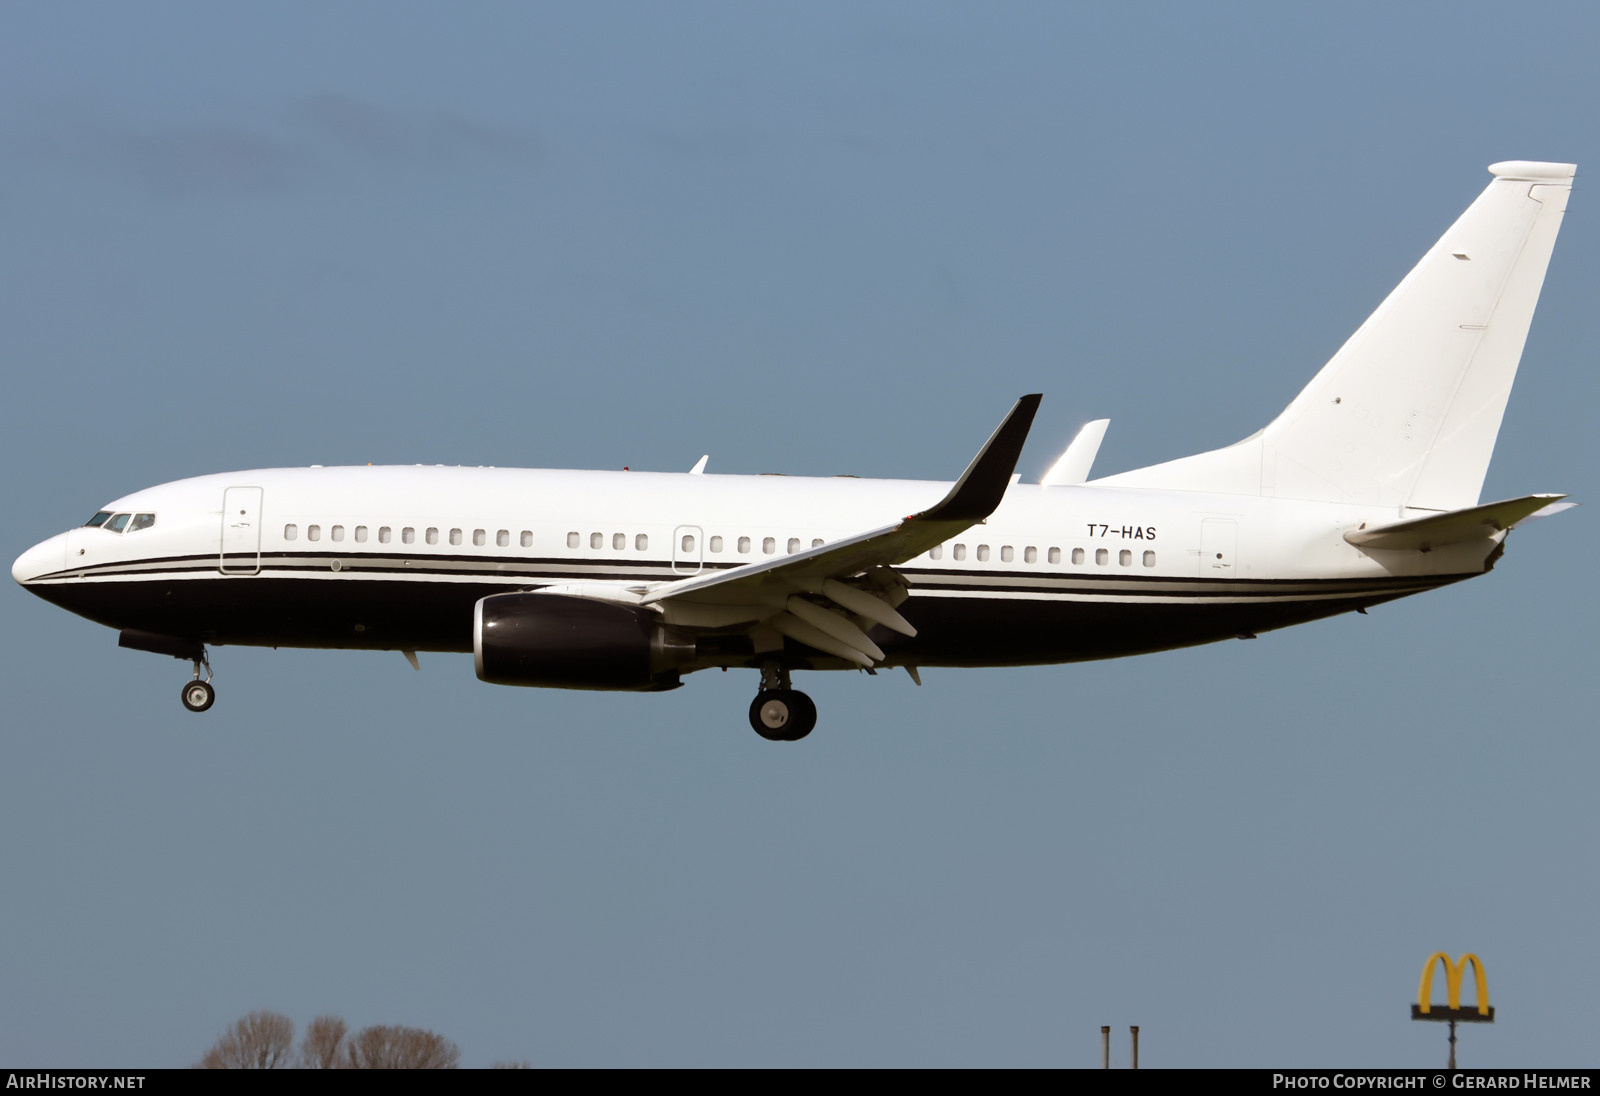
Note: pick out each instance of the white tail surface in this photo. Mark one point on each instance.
(1406, 413)
(1073, 466)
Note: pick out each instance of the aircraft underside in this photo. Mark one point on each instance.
(967, 630)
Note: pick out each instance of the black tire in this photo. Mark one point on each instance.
(197, 696)
(802, 718)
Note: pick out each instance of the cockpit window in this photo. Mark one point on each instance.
(98, 519)
(117, 523)
(141, 521)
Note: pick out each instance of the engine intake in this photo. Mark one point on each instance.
(562, 642)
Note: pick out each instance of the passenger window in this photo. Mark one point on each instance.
(502, 539)
(1077, 555)
(597, 540)
(455, 536)
(983, 553)
(383, 534)
(936, 552)
(98, 520)
(527, 538)
(290, 532)
(336, 533)
(313, 532)
(716, 544)
(431, 536)
(687, 542)
(1149, 559)
(960, 551)
(744, 546)
(768, 545)
(408, 535)
(816, 542)
(361, 534)
(794, 545)
(1005, 554)
(479, 538)
(1101, 556)
(619, 541)
(1030, 554)
(1125, 557)
(641, 543)
(141, 521)
(572, 540)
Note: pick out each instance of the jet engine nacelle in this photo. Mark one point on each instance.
(563, 642)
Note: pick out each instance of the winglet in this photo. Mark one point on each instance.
(981, 487)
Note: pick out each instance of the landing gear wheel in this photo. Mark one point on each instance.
(782, 715)
(198, 695)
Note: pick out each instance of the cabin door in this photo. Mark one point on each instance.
(241, 531)
(686, 549)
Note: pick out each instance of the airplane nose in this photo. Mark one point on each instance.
(42, 559)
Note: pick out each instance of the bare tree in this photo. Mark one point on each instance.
(262, 1040)
(386, 1047)
(323, 1042)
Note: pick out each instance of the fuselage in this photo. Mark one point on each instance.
(397, 557)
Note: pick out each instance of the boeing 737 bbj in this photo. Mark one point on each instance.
(1363, 490)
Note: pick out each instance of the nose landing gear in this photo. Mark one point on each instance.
(198, 695)
(779, 713)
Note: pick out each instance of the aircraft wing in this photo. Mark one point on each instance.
(808, 596)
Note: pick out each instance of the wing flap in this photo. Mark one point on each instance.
(812, 636)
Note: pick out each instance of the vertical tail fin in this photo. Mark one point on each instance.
(1406, 413)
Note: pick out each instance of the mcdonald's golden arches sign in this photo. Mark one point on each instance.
(1425, 1009)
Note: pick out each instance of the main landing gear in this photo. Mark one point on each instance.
(198, 695)
(779, 713)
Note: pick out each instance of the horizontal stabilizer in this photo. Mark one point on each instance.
(1456, 526)
(1073, 467)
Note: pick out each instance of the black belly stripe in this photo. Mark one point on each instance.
(415, 612)
(1002, 585)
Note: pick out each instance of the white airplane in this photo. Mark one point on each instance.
(1363, 490)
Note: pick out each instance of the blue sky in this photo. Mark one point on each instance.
(814, 239)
